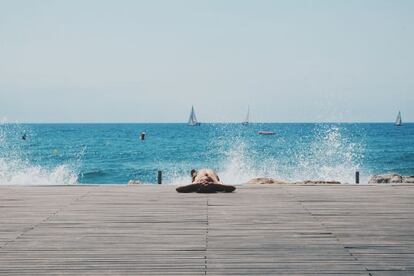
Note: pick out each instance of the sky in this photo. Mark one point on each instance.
(150, 61)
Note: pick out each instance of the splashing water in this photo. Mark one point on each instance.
(330, 156)
(327, 154)
(13, 172)
(242, 164)
(16, 169)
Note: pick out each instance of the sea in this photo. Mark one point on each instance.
(65, 154)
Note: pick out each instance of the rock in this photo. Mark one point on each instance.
(408, 179)
(396, 178)
(319, 182)
(134, 181)
(265, 180)
(387, 178)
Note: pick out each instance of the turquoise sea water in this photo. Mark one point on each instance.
(55, 154)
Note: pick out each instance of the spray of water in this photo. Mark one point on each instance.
(17, 172)
(16, 169)
(242, 163)
(331, 153)
(179, 178)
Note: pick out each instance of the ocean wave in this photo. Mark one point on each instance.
(16, 172)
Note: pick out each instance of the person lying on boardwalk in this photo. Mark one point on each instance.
(205, 181)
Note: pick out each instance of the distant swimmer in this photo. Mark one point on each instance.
(24, 136)
(205, 181)
(142, 135)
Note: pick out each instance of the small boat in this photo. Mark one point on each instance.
(247, 120)
(192, 121)
(263, 132)
(398, 122)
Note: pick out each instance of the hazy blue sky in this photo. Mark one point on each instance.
(149, 61)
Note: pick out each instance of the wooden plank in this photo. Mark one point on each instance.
(262, 229)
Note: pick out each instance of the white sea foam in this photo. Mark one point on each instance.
(17, 172)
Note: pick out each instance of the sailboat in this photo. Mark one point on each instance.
(398, 122)
(247, 120)
(192, 121)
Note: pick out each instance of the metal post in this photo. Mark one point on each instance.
(357, 177)
(159, 177)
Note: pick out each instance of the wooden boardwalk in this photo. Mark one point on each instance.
(259, 230)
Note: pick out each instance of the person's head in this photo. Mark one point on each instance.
(204, 176)
(193, 175)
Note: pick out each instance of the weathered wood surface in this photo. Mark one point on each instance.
(152, 230)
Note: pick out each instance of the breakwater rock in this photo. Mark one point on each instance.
(391, 178)
(319, 182)
(266, 180)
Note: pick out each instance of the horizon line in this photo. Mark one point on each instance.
(184, 123)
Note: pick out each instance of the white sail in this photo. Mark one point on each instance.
(192, 121)
(247, 120)
(398, 122)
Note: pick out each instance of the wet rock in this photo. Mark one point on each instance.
(319, 182)
(265, 180)
(408, 179)
(387, 178)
